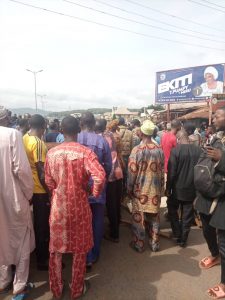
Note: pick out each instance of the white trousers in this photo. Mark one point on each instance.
(22, 268)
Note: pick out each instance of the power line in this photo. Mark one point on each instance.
(113, 27)
(173, 16)
(205, 5)
(153, 19)
(214, 4)
(141, 23)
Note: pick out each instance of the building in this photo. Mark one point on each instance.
(125, 113)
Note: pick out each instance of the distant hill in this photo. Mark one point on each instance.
(31, 111)
(61, 114)
(93, 110)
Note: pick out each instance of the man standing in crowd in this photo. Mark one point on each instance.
(68, 168)
(36, 153)
(51, 136)
(23, 126)
(114, 189)
(16, 189)
(99, 145)
(145, 186)
(126, 147)
(180, 185)
(169, 141)
(136, 124)
(213, 221)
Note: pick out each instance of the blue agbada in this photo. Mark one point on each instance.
(100, 146)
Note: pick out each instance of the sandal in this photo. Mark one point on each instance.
(207, 262)
(216, 292)
(133, 247)
(21, 296)
(87, 286)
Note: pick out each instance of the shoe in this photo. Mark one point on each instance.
(88, 267)
(178, 241)
(181, 243)
(133, 247)
(154, 248)
(21, 296)
(111, 239)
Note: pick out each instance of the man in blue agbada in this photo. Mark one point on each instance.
(99, 145)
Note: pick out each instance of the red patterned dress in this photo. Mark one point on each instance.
(145, 185)
(68, 168)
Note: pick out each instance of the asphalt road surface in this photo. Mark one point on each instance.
(122, 274)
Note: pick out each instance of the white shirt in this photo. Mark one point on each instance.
(207, 92)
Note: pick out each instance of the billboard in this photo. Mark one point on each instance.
(189, 84)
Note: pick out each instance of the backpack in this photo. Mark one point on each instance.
(208, 182)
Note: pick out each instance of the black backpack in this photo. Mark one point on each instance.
(208, 182)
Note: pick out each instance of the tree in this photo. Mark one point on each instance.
(156, 107)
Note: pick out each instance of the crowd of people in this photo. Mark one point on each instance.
(59, 178)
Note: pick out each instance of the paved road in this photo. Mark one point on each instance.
(122, 274)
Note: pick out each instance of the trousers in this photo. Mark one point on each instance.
(41, 210)
(98, 210)
(78, 273)
(180, 224)
(142, 222)
(113, 201)
(22, 268)
(210, 235)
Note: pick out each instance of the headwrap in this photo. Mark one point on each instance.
(211, 70)
(112, 126)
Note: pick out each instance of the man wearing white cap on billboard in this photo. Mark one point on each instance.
(16, 229)
(211, 86)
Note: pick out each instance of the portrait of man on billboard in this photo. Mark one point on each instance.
(211, 85)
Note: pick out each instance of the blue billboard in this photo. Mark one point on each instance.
(189, 84)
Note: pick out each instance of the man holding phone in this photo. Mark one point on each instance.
(213, 223)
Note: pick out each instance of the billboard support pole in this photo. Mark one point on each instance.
(210, 111)
(168, 113)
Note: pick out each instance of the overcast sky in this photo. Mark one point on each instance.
(86, 65)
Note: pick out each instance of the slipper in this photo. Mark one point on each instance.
(216, 292)
(207, 263)
(133, 247)
(21, 296)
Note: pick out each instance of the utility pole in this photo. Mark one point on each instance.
(42, 100)
(35, 85)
